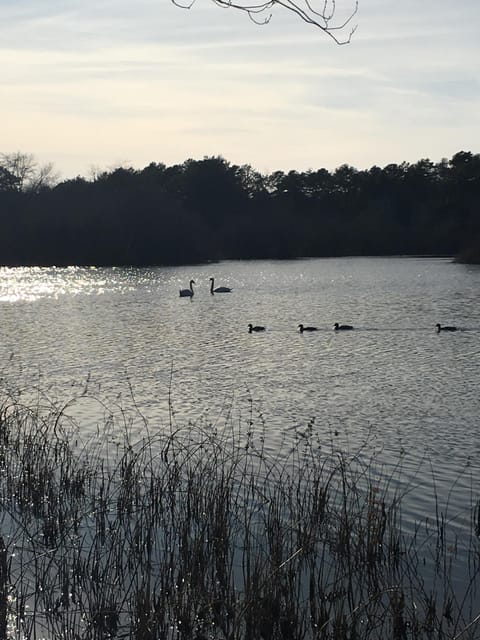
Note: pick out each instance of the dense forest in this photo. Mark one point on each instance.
(210, 209)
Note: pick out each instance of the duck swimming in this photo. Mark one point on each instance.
(218, 289)
(301, 328)
(252, 328)
(187, 293)
(342, 327)
(439, 328)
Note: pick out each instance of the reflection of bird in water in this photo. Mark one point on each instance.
(302, 328)
(187, 293)
(218, 289)
(342, 327)
(251, 328)
(440, 328)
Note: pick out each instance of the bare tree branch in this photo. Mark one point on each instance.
(323, 18)
(25, 173)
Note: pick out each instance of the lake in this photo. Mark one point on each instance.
(121, 343)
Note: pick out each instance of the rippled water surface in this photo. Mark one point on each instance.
(392, 384)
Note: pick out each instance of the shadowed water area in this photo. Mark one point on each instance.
(393, 386)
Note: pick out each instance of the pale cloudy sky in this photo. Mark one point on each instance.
(114, 82)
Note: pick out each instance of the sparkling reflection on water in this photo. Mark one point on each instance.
(392, 387)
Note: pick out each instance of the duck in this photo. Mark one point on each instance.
(187, 293)
(342, 327)
(218, 289)
(252, 328)
(439, 328)
(302, 328)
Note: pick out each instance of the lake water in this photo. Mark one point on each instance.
(392, 388)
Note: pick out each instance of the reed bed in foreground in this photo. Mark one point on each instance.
(197, 534)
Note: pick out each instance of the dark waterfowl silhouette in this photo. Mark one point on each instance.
(252, 328)
(439, 328)
(301, 328)
(187, 293)
(218, 289)
(342, 327)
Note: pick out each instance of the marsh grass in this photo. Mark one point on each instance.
(196, 533)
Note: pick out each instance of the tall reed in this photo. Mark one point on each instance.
(196, 533)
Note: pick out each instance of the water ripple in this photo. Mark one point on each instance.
(392, 382)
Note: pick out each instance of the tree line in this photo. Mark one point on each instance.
(210, 209)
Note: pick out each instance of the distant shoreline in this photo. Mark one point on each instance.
(100, 265)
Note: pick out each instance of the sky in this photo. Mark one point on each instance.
(91, 85)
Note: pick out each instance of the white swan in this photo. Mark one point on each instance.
(218, 289)
(187, 293)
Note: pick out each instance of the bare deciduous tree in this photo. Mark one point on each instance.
(324, 17)
(25, 173)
